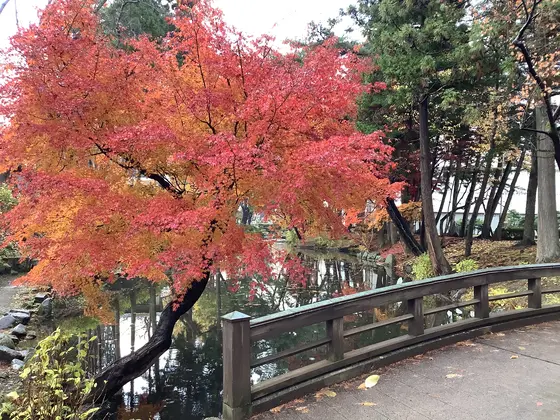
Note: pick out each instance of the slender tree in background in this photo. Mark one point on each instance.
(548, 245)
(134, 160)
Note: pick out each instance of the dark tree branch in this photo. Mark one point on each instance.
(3, 5)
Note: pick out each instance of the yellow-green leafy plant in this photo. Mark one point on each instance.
(55, 384)
(422, 267)
(466, 265)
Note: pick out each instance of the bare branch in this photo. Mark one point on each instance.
(3, 5)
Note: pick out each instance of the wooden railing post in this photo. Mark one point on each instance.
(535, 300)
(416, 309)
(237, 366)
(335, 332)
(482, 308)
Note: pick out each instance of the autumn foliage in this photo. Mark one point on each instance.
(134, 160)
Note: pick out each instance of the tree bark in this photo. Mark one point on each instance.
(115, 376)
(451, 225)
(404, 229)
(488, 215)
(548, 247)
(529, 224)
(440, 264)
(463, 230)
(480, 199)
(493, 205)
(444, 194)
(503, 215)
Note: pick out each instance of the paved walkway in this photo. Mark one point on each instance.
(511, 375)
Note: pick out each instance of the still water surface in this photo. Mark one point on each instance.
(186, 381)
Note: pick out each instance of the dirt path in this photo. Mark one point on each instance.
(7, 292)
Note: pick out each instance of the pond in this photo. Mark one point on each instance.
(186, 381)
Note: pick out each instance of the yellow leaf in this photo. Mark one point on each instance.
(362, 386)
(521, 348)
(325, 393)
(302, 409)
(277, 409)
(368, 404)
(371, 381)
(514, 356)
(13, 395)
(453, 375)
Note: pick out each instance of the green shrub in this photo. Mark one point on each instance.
(466, 265)
(54, 382)
(7, 200)
(422, 267)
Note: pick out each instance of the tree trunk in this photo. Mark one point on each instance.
(440, 264)
(463, 230)
(480, 199)
(404, 229)
(451, 227)
(548, 247)
(503, 215)
(444, 194)
(115, 376)
(488, 214)
(493, 206)
(529, 223)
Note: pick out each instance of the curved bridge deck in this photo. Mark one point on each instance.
(509, 375)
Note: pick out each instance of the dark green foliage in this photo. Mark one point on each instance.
(129, 19)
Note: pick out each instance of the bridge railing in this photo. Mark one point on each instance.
(241, 398)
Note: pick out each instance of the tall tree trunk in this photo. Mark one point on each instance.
(499, 192)
(511, 192)
(451, 225)
(445, 190)
(480, 199)
(115, 376)
(474, 179)
(440, 264)
(404, 229)
(548, 247)
(529, 224)
(488, 214)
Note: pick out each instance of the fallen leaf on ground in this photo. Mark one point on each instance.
(302, 409)
(325, 393)
(362, 386)
(453, 375)
(500, 335)
(368, 404)
(277, 409)
(521, 348)
(371, 381)
(539, 403)
(514, 356)
(466, 343)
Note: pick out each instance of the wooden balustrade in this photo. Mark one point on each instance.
(240, 399)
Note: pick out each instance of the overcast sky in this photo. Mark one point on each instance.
(281, 19)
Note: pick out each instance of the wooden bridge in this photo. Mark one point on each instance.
(242, 399)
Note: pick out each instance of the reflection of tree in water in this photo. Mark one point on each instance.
(187, 383)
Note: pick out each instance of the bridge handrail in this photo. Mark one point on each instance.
(239, 330)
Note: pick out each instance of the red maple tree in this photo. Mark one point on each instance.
(133, 161)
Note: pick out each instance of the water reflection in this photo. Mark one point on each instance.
(186, 381)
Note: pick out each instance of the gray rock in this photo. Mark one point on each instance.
(7, 354)
(19, 331)
(40, 297)
(17, 364)
(28, 354)
(14, 339)
(6, 341)
(31, 335)
(21, 317)
(46, 308)
(23, 311)
(5, 268)
(7, 321)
